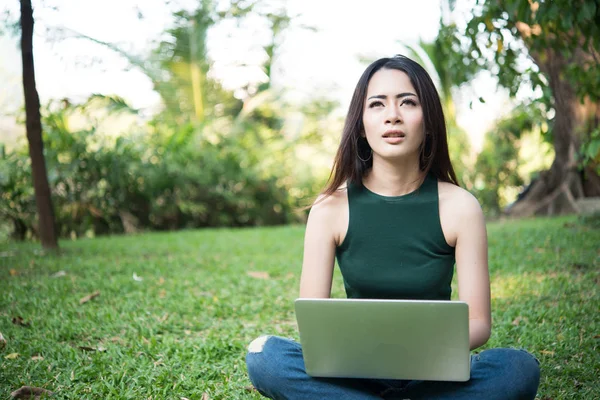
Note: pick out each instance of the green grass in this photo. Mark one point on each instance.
(183, 329)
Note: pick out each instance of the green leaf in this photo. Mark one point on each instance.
(593, 149)
(587, 11)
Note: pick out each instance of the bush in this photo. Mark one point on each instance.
(185, 178)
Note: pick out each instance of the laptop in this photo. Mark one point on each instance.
(385, 339)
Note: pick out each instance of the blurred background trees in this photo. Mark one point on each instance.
(207, 158)
(552, 47)
(213, 156)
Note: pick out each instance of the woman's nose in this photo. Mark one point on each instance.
(393, 115)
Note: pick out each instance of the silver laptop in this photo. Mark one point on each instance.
(386, 339)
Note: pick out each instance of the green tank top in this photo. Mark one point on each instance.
(395, 247)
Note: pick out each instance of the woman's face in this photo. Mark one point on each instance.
(393, 117)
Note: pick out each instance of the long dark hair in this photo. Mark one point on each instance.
(352, 160)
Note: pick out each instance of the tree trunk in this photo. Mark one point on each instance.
(47, 228)
(558, 188)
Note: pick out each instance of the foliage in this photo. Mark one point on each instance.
(499, 32)
(17, 201)
(208, 159)
(516, 39)
(459, 148)
(211, 175)
(496, 167)
(590, 150)
(180, 67)
(188, 92)
(182, 330)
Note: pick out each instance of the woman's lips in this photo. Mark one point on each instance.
(394, 139)
(394, 136)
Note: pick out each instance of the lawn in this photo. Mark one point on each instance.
(175, 311)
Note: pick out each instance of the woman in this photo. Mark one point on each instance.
(397, 221)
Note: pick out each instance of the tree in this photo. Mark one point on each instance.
(47, 227)
(178, 67)
(560, 41)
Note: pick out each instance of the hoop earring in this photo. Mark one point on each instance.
(424, 158)
(358, 152)
(370, 155)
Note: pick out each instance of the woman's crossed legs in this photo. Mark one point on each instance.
(276, 369)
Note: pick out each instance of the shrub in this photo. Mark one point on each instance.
(184, 178)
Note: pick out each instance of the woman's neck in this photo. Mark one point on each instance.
(393, 179)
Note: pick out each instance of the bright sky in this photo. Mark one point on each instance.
(325, 62)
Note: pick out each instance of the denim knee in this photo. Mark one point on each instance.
(257, 362)
(520, 371)
(273, 362)
(528, 368)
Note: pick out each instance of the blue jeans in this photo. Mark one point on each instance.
(276, 369)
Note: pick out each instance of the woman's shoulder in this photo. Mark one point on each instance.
(330, 214)
(331, 203)
(457, 198)
(459, 211)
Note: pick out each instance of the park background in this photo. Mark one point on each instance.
(163, 117)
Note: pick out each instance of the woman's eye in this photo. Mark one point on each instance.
(375, 104)
(409, 102)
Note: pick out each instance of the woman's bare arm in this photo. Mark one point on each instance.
(320, 241)
(472, 269)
